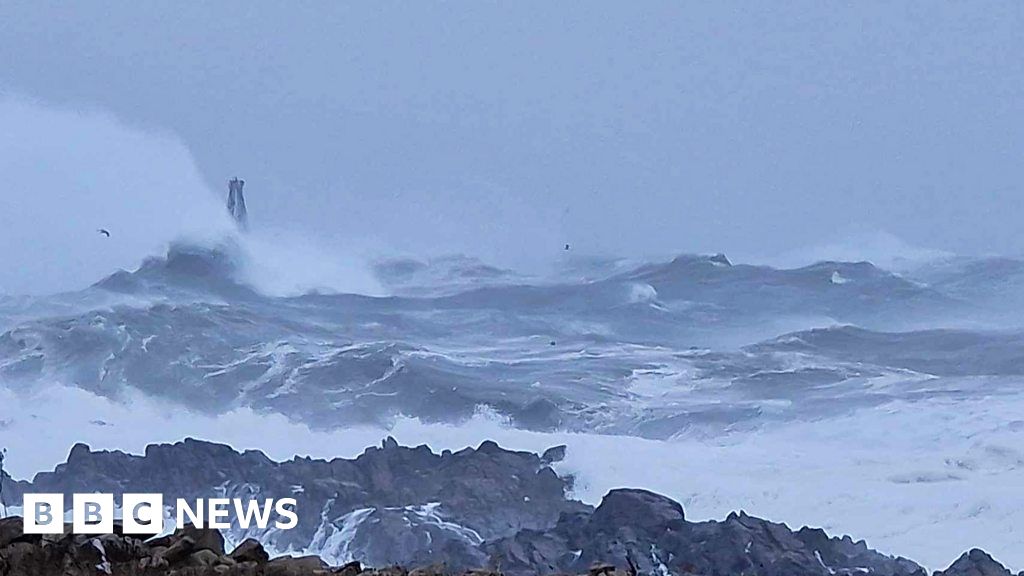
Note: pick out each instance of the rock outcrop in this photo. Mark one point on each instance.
(485, 509)
(187, 552)
(648, 533)
(626, 548)
(395, 504)
(975, 563)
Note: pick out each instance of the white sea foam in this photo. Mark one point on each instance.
(285, 263)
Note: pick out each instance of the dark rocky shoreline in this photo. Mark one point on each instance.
(202, 552)
(487, 509)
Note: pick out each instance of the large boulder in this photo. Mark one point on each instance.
(639, 510)
(10, 530)
(201, 539)
(296, 566)
(250, 551)
(975, 562)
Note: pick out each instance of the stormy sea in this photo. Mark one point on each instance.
(883, 403)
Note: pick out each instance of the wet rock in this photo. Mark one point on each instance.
(350, 569)
(488, 491)
(639, 532)
(10, 531)
(252, 551)
(638, 509)
(655, 539)
(178, 551)
(296, 566)
(204, 558)
(488, 510)
(433, 570)
(201, 538)
(553, 454)
(975, 562)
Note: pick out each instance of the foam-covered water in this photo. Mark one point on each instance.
(884, 406)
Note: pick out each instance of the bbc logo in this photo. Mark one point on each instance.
(93, 513)
(144, 513)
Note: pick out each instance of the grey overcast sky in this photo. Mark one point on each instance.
(508, 129)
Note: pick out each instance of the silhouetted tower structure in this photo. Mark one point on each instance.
(3, 505)
(236, 203)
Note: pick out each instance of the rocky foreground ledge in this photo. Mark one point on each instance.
(476, 511)
(202, 552)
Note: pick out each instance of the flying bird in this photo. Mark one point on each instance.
(104, 231)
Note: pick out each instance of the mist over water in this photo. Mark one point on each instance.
(286, 263)
(506, 131)
(69, 173)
